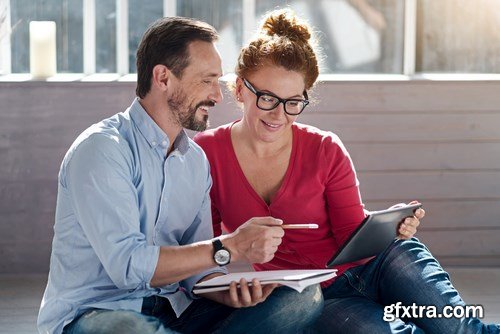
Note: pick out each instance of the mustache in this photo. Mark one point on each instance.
(206, 103)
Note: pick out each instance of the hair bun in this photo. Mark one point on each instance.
(285, 23)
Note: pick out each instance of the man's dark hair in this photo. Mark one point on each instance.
(166, 42)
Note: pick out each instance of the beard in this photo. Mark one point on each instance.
(185, 115)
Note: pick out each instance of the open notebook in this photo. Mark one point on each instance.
(295, 279)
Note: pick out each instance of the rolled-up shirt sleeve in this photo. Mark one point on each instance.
(98, 177)
(201, 229)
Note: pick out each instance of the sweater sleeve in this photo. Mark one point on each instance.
(345, 207)
(216, 220)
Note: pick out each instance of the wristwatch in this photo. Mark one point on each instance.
(221, 255)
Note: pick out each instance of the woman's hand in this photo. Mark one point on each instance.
(408, 227)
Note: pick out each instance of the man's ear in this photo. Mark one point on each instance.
(161, 77)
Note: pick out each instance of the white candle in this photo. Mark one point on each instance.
(43, 56)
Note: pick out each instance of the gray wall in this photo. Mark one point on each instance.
(438, 142)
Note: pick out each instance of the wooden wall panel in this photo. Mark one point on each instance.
(407, 96)
(418, 156)
(438, 142)
(431, 185)
(385, 128)
(456, 215)
(463, 243)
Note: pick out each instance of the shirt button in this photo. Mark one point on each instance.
(164, 143)
(153, 143)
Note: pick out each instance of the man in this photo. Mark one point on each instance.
(133, 225)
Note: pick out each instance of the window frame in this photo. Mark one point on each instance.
(170, 9)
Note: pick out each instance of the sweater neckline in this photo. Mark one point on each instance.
(288, 173)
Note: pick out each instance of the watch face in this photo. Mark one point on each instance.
(222, 257)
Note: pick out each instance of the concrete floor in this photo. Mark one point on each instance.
(20, 296)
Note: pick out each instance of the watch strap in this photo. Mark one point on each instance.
(217, 245)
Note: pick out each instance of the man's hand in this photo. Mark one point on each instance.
(245, 295)
(408, 227)
(255, 241)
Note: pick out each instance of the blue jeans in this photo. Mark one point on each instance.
(405, 272)
(284, 311)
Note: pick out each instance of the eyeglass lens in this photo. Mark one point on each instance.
(269, 102)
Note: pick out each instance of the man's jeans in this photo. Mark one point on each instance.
(406, 272)
(284, 311)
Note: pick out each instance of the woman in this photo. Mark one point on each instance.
(268, 165)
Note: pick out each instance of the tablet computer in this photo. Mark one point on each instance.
(373, 235)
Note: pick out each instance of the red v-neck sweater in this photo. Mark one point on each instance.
(320, 186)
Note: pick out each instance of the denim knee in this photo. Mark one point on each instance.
(408, 245)
(411, 259)
(301, 309)
(308, 302)
(312, 299)
(284, 311)
(119, 322)
(408, 251)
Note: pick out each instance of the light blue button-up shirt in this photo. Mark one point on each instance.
(120, 198)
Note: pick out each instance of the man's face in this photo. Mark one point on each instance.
(198, 89)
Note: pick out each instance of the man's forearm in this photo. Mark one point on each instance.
(255, 241)
(176, 263)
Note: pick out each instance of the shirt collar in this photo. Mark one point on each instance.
(153, 134)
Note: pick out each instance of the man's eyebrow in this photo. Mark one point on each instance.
(212, 75)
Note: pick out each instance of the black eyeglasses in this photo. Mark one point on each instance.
(268, 101)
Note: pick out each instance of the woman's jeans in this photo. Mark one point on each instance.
(407, 273)
(284, 311)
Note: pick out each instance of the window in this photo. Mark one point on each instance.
(105, 21)
(140, 15)
(68, 15)
(226, 17)
(458, 36)
(356, 36)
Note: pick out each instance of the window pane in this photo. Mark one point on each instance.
(357, 36)
(140, 15)
(4, 37)
(458, 36)
(68, 15)
(105, 36)
(226, 17)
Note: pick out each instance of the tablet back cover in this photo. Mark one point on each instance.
(373, 235)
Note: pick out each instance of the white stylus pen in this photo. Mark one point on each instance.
(297, 226)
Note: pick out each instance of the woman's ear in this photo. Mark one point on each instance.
(238, 89)
(161, 77)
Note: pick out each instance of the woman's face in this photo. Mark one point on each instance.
(269, 125)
